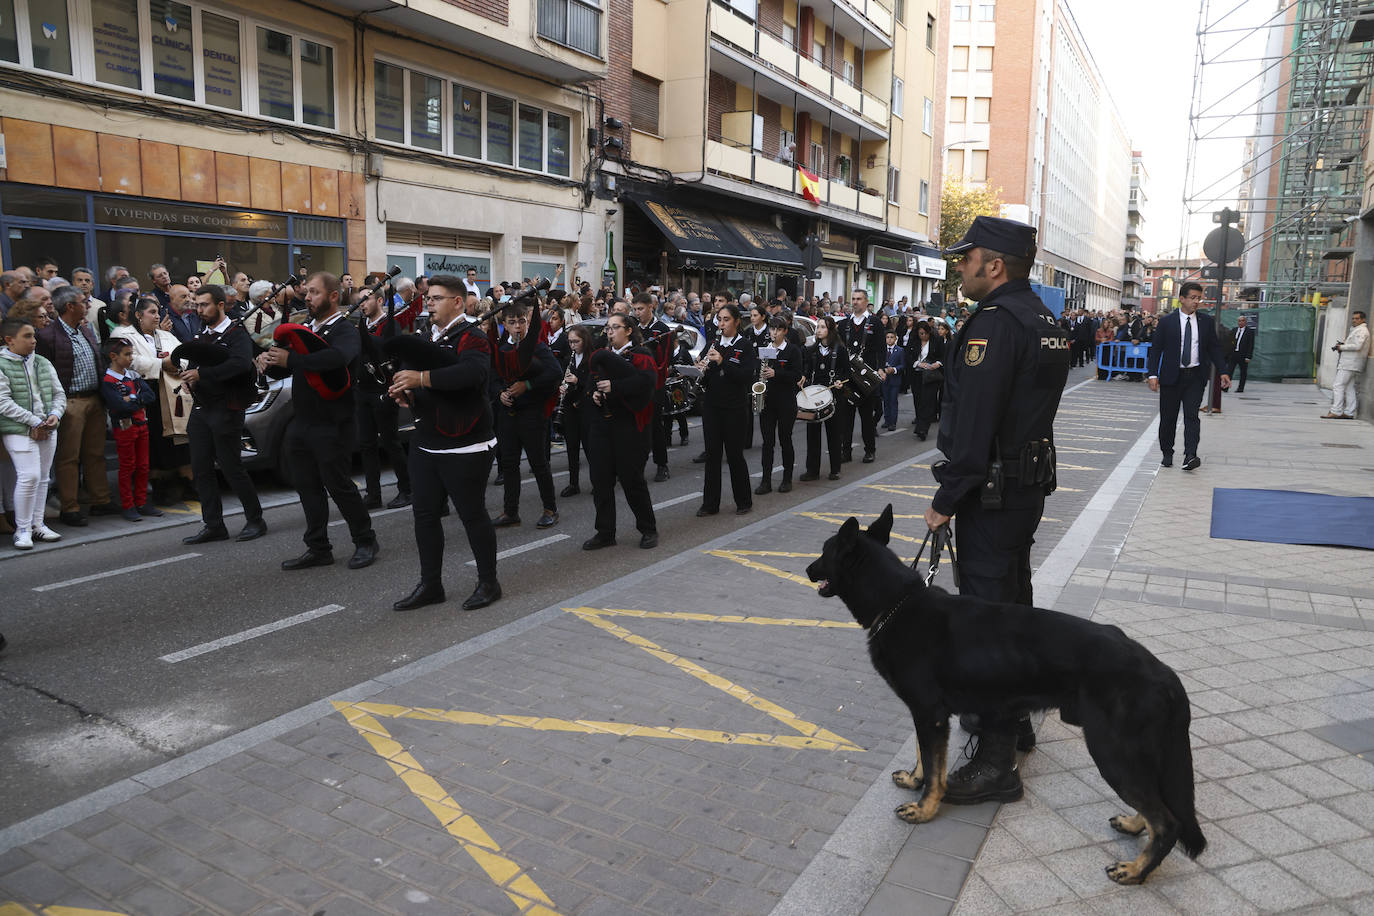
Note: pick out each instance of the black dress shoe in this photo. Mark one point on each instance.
(548, 519)
(252, 531)
(869, 456)
(699, 459)
(74, 519)
(703, 512)
(372, 500)
(682, 440)
(846, 456)
(400, 501)
(505, 520)
(1192, 463)
(1167, 461)
(310, 558)
(785, 486)
(662, 474)
(110, 508)
(743, 510)
(444, 510)
(364, 555)
(485, 593)
(765, 486)
(597, 541)
(648, 541)
(426, 593)
(571, 489)
(206, 535)
(148, 510)
(833, 475)
(808, 477)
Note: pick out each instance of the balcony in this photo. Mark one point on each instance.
(732, 160)
(741, 45)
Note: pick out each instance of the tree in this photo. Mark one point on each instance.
(959, 204)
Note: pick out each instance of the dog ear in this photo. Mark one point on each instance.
(848, 532)
(881, 530)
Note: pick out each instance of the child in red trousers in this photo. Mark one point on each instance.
(126, 396)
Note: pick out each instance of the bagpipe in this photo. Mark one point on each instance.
(208, 351)
(605, 364)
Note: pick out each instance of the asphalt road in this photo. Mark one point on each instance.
(86, 696)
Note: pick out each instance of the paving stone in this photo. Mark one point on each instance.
(1027, 885)
(224, 893)
(1320, 823)
(1204, 895)
(1268, 886)
(1328, 873)
(891, 900)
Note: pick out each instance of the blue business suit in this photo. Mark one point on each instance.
(892, 384)
(1179, 387)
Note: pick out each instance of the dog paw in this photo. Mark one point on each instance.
(914, 813)
(1124, 873)
(905, 779)
(1130, 824)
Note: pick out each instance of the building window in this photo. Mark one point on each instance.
(431, 113)
(848, 75)
(789, 34)
(958, 58)
(958, 109)
(644, 92)
(817, 160)
(1149, 288)
(894, 185)
(175, 50)
(574, 23)
(899, 11)
(979, 165)
(987, 11)
(923, 205)
(961, 12)
(982, 109)
(930, 32)
(983, 58)
(955, 164)
(787, 146)
(928, 116)
(898, 95)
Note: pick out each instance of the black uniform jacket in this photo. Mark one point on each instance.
(781, 393)
(727, 383)
(344, 350)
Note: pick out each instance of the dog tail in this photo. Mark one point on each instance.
(1176, 777)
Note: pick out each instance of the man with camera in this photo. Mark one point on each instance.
(1353, 354)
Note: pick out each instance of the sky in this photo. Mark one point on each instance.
(1146, 56)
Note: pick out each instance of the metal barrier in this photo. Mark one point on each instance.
(1123, 356)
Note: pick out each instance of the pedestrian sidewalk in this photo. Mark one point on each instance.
(707, 735)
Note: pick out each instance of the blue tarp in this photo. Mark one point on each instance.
(1293, 517)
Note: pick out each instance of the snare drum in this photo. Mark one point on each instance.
(681, 396)
(815, 404)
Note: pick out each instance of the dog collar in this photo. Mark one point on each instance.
(882, 621)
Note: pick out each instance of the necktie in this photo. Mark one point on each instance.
(1187, 343)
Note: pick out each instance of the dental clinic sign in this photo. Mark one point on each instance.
(891, 260)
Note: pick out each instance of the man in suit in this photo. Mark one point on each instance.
(1186, 348)
(1242, 348)
(1353, 353)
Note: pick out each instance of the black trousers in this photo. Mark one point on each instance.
(994, 546)
(464, 478)
(777, 427)
(1234, 363)
(726, 430)
(616, 452)
(216, 434)
(667, 421)
(320, 457)
(926, 398)
(575, 441)
(834, 435)
(1187, 396)
(524, 429)
(868, 411)
(377, 417)
(659, 429)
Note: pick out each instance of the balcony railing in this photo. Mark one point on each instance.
(730, 158)
(573, 23)
(784, 60)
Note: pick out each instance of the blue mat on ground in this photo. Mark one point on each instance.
(1293, 517)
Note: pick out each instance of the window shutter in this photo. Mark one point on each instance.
(644, 102)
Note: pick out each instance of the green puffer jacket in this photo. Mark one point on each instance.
(18, 397)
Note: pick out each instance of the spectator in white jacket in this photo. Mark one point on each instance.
(1353, 354)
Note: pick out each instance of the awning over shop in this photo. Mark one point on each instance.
(707, 240)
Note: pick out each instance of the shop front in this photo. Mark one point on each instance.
(80, 229)
(913, 272)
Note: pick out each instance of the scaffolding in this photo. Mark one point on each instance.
(1282, 91)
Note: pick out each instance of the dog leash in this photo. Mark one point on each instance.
(944, 541)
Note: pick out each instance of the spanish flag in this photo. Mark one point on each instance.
(810, 184)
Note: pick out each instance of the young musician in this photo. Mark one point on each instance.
(528, 375)
(729, 368)
(222, 393)
(319, 441)
(575, 401)
(618, 416)
(377, 412)
(779, 414)
(453, 446)
(642, 307)
(827, 363)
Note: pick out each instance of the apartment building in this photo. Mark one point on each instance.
(1031, 117)
(436, 136)
(1133, 269)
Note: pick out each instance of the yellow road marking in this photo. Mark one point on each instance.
(736, 556)
(839, 518)
(786, 717)
(722, 618)
(902, 489)
(476, 842)
(14, 909)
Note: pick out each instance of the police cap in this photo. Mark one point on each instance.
(997, 234)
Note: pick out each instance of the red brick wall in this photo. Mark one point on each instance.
(1009, 132)
(495, 10)
(615, 88)
(772, 124)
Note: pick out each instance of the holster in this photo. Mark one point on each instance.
(994, 486)
(1037, 465)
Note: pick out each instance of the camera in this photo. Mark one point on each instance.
(1335, 347)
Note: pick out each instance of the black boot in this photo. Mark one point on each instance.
(991, 775)
(786, 485)
(765, 486)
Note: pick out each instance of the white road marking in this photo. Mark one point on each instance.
(246, 635)
(685, 497)
(114, 572)
(532, 545)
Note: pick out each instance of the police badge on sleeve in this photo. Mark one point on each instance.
(974, 351)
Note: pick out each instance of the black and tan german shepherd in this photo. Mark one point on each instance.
(944, 655)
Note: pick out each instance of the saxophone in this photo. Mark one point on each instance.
(760, 388)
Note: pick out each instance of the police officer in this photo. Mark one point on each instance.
(1003, 382)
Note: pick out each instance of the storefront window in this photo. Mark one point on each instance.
(276, 78)
(50, 35)
(467, 122)
(9, 37)
(560, 140)
(390, 102)
(426, 111)
(531, 138)
(32, 200)
(500, 113)
(180, 253)
(317, 84)
(320, 257)
(173, 54)
(114, 35)
(223, 74)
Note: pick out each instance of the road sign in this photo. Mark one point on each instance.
(1232, 273)
(1223, 244)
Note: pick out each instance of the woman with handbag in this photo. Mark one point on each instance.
(927, 377)
(169, 454)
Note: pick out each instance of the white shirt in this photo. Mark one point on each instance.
(318, 326)
(223, 326)
(435, 332)
(1191, 357)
